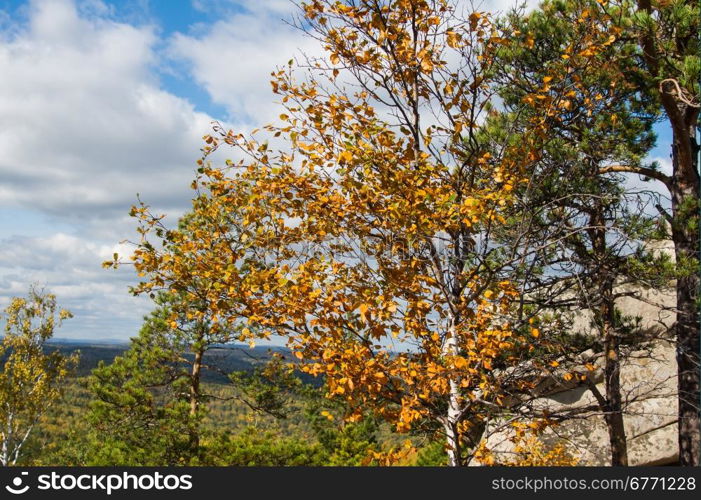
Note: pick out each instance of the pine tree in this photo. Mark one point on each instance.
(647, 67)
(149, 400)
(589, 235)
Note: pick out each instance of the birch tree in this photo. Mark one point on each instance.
(367, 240)
(31, 380)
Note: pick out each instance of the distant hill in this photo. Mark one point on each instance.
(90, 354)
(226, 358)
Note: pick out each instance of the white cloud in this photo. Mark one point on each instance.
(83, 123)
(84, 126)
(650, 192)
(505, 5)
(233, 58)
(69, 266)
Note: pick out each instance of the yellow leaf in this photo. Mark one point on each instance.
(363, 308)
(452, 39)
(345, 157)
(474, 17)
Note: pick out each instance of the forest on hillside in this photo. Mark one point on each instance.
(455, 216)
(233, 432)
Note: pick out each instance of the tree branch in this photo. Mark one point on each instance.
(647, 172)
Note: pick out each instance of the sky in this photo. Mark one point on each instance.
(104, 99)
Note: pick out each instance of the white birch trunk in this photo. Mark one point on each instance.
(450, 423)
(7, 437)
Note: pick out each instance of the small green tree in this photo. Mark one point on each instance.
(432, 454)
(31, 380)
(345, 443)
(148, 401)
(251, 447)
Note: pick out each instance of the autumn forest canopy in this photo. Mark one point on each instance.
(453, 210)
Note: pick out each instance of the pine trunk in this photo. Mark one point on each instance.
(195, 398)
(687, 342)
(685, 191)
(611, 404)
(614, 403)
(685, 234)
